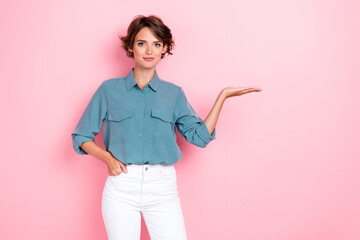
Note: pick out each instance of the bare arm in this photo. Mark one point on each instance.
(212, 117)
(115, 167)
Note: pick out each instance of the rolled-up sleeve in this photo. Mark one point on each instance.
(91, 120)
(189, 124)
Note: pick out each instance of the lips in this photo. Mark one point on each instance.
(148, 59)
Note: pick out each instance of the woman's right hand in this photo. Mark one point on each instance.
(115, 167)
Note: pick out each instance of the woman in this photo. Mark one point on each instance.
(141, 112)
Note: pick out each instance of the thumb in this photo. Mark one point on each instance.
(124, 168)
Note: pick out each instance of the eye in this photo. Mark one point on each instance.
(158, 44)
(140, 44)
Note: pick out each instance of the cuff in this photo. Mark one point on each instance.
(204, 134)
(77, 141)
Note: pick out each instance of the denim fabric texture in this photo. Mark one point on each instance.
(139, 124)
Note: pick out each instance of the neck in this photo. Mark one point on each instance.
(143, 75)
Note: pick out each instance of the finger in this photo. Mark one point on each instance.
(114, 173)
(124, 168)
(117, 171)
(256, 89)
(249, 91)
(111, 173)
(249, 88)
(252, 89)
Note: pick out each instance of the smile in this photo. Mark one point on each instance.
(148, 59)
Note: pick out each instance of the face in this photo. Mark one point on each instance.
(147, 49)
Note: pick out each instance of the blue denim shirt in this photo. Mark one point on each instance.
(139, 125)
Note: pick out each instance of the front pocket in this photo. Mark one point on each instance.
(116, 175)
(163, 114)
(120, 115)
(167, 172)
(120, 125)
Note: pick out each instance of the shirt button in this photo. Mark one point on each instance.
(146, 168)
(141, 121)
(140, 135)
(140, 149)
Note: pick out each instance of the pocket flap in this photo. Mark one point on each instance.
(163, 114)
(119, 115)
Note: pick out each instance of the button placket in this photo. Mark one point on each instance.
(141, 126)
(143, 97)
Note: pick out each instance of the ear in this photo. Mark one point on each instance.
(164, 49)
(130, 49)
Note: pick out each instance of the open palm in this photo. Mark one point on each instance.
(238, 91)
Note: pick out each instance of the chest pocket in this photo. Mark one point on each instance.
(164, 114)
(120, 115)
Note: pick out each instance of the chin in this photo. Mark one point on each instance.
(148, 66)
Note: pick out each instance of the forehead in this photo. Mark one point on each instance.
(146, 34)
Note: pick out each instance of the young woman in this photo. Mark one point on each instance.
(141, 112)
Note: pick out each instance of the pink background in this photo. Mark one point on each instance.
(285, 162)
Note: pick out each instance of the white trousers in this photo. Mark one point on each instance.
(147, 189)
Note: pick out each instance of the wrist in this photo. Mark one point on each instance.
(222, 96)
(107, 157)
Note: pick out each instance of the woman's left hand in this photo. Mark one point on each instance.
(238, 91)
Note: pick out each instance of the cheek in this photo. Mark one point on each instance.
(137, 51)
(159, 52)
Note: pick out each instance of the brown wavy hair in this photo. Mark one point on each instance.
(157, 26)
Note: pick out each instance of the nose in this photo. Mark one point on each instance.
(148, 50)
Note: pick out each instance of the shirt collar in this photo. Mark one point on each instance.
(131, 82)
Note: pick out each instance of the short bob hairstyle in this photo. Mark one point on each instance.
(157, 26)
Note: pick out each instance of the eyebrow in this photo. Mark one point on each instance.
(145, 41)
